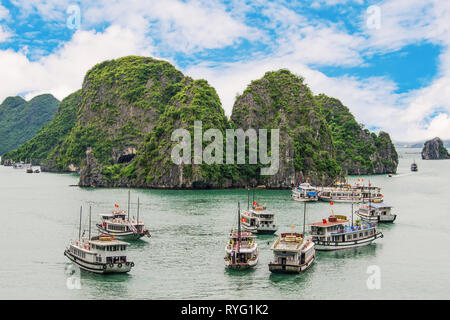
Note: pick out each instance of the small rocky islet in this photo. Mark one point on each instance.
(434, 149)
(116, 130)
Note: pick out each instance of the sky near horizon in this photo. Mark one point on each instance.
(388, 61)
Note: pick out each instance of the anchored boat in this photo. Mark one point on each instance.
(119, 225)
(293, 252)
(99, 254)
(305, 192)
(242, 251)
(351, 193)
(21, 165)
(257, 219)
(376, 212)
(335, 233)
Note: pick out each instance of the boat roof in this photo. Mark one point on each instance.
(115, 213)
(243, 234)
(288, 242)
(325, 223)
(107, 242)
(378, 205)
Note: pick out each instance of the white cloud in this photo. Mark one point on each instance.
(299, 44)
(62, 72)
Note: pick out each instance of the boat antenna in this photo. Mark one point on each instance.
(304, 217)
(239, 226)
(79, 229)
(128, 205)
(89, 222)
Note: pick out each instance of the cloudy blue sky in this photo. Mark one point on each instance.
(388, 61)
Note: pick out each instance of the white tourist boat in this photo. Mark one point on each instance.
(351, 193)
(258, 220)
(335, 233)
(99, 254)
(376, 212)
(242, 251)
(293, 253)
(21, 165)
(119, 225)
(305, 192)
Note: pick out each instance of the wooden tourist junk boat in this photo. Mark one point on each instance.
(351, 193)
(292, 252)
(336, 233)
(119, 225)
(242, 251)
(305, 192)
(376, 212)
(257, 219)
(98, 254)
(414, 167)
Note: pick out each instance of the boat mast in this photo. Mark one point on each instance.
(239, 227)
(89, 222)
(248, 197)
(79, 229)
(138, 213)
(253, 201)
(128, 211)
(304, 217)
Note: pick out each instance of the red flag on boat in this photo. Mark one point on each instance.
(116, 205)
(324, 221)
(242, 219)
(255, 203)
(331, 202)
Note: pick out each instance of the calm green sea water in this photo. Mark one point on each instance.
(184, 258)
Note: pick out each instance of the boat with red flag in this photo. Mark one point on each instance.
(242, 251)
(335, 233)
(119, 224)
(257, 219)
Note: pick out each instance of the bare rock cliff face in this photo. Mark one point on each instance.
(434, 150)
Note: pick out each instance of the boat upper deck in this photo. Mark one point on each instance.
(292, 242)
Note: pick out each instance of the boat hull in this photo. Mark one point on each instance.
(299, 199)
(275, 267)
(129, 236)
(241, 266)
(259, 230)
(101, 268)
(331, 246)
(378, 219)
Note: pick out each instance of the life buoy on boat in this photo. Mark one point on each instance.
(111, 265)
(119, 265)
(132, 264)
(104, 267)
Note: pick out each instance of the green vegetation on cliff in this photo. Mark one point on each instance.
(40, 146)
(116, 130)
(358, 150)
(281, 100)
(20, 120)
(120, 102)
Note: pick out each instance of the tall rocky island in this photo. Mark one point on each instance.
(434, 150)
(116, 130)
